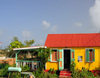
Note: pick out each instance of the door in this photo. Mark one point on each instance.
(61, 62)
(67, 58)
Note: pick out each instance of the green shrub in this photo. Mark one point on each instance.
(25, 68)
(48, 75)
(84, 73)
(37, 73)
(42, 74)
(14, 75)
(52, 71)
(4, 70)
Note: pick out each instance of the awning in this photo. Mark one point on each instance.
(28, 48)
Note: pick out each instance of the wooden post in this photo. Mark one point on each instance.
(16, 59)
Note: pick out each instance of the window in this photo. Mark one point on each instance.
(80, 58)
(90, 55)
(54, 55)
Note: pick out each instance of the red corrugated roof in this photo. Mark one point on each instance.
(73, 40)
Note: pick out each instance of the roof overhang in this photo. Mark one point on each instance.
(29, 48)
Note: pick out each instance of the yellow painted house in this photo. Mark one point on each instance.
(83, 49)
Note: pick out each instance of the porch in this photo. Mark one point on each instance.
(28, 56)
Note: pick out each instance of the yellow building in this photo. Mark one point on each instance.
(83, 49)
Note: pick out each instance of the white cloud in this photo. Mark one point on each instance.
(26, 34)
(51, 28)
(95, 14)
(78, 24)
(54, 29)
(45, 24)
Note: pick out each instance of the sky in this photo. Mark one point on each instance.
(34, 19)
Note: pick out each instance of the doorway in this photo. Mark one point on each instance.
(67, 58)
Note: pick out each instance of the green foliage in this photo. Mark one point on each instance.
(75, 73)
(14, 75)
(72, 66)
(15, 39)
(52, 71)
(25, 68)
(81, 74)
(86, 74)
(48, 75)
(43, 55)
(37, 73)
(15, 43)
(28, 43)
(25, 76)
(41, 74)
(3, 70)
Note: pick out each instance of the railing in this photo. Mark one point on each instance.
(32, 64)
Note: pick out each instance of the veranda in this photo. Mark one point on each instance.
(28, 56)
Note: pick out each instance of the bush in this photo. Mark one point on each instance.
(25, 68)
(52, 71)
(14, 75)
(47, 75)
(42, 74)
(4, 70)
(86, 74)
(80, 74)
(37, 73)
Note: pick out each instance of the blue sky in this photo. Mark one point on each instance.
(34, 19)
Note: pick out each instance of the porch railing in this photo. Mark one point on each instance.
(32, 64)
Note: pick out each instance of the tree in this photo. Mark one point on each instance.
(28, 43)
(15, 44)
(15, 39)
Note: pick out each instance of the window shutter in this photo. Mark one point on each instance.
(87, 55)
(93, 55)
(72, 55)
(57, 55)
(61, 67)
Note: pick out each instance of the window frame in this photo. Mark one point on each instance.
(89, 55)
(51, 55)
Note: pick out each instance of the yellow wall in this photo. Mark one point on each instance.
(91, 66)
(53, 65)
(80, 52)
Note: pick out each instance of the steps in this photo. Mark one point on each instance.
(65, 74)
